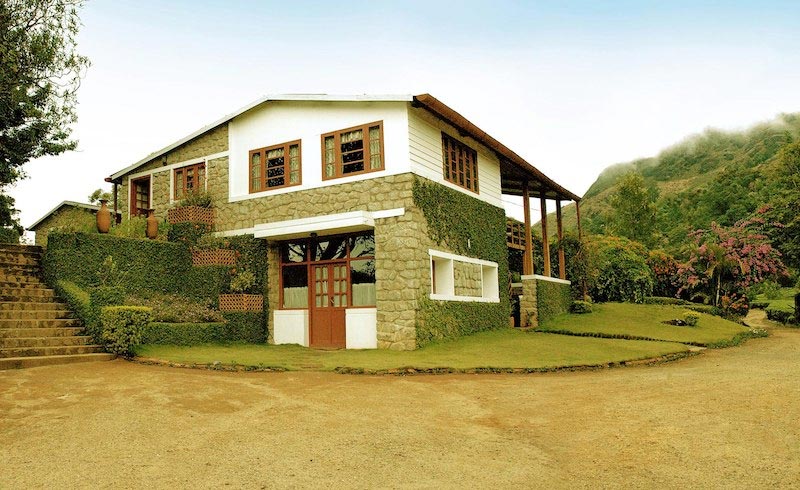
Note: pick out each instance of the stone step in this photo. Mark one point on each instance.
(36, 361)
(27, 294)
(22, 285)
(35, 314)
(18, 259)
(6, 323)
(16, 279)
(50, 351)
(11, 333)
(16, 342)
(31, 305)
(11, 248)
(17, 268)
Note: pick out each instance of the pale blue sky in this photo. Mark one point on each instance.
(571, 86)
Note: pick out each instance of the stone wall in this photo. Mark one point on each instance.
(528, 303)
(467, 279)
(74, 218)
(209, 143)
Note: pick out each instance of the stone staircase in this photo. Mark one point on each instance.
(36, 329)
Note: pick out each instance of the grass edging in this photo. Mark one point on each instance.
(413, 371)
(737, 339)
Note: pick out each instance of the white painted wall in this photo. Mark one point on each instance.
(282, 121)
(361, 330)
(425, 151)
(290, 327)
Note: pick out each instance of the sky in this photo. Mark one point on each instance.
(572, 87)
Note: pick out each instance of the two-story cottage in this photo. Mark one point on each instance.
(349, 192)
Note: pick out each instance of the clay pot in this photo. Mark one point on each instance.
(103, 217)
(152, 225)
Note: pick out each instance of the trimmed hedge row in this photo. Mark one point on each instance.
(239, 327)
(552, 298)
(123, 327)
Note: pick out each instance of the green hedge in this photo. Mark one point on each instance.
(552, 298)
(146, 265)
(79, 302)
(238, 327)
(470, 227)
(123, 327)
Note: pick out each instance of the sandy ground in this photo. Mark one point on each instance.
(728, 418)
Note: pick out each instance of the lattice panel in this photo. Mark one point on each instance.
(515, 234)
(241, 302)
(213, 256)
(190, 214)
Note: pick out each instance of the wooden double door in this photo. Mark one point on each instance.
(328, 303)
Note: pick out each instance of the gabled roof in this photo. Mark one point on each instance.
(514, 169)
(53, 211)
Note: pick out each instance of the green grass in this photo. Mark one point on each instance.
(783, 301)
(646, 321)
(499, 349)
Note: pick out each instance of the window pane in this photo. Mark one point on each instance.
(330, 157)
(375, 147)
(334, 248)
(295, 286)
(362, 277)
(362, 246)
(255, 171)
(293, 252)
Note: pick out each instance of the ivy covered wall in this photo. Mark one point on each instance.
(552, 298)
(464, 225)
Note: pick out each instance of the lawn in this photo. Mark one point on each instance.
(646, 321)
(499, 349)
(783, 299)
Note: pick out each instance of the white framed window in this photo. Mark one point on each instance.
(460, 278)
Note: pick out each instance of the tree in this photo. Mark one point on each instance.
(40, 72)
(633, 210)
(727, 261)
(98, 195)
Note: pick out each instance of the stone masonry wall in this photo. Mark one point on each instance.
(467, 279)
(209, 143)
(66, 216)
(528, 304)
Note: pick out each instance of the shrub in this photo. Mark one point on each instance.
(618, 270)
(78, 301)
(580, 307)
(663, 300)
(242, 281)
(188, 233)
(185, 333)
(780, 315)
(691, 319)
(123, 327)
(197, 198)
(170, 308)
(759, 304)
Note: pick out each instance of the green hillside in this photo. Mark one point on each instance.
(721, 176)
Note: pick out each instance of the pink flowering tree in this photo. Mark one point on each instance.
(727, 261)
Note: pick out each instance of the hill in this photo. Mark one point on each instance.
(721, 176)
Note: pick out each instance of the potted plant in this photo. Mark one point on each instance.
(238, 299)
(196, 208)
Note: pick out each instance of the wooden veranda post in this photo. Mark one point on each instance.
(545, 242)
(527, 259)
(562, 273)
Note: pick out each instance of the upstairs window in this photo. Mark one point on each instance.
(189, 179)
(460, 163)
(352, 151)
(275, 167)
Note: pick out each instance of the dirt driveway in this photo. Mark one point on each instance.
(728, 418)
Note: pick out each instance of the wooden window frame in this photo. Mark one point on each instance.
(132, 211)
(464, 155)
(286, 170)
(309, 262)
(337, 146)
(185, 168)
